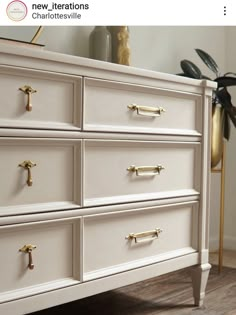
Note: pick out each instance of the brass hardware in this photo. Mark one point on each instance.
(29, 91)
(221, 170)
(217, 155)
(217, 135)
(153, 233)
(146, 170)
(27, 165)
(147, 110)
(37, 34)
(222, 208)
(28, 250)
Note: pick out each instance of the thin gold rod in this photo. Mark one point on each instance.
(37, 34)
(218, 170)
(222, 203)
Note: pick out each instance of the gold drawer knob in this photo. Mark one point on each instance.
(28, 250)
(28, 165)
(146, 170)
(147, 110)
(29, 91)
(144, 236)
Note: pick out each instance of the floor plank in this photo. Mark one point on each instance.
(169, 294)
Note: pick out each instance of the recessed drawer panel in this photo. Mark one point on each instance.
(123, 171)
(113, 106)
(37, 171)
(121, 241)
(34, 99)
(38, 257)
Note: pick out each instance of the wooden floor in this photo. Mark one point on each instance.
(166, 295)
(229, 258)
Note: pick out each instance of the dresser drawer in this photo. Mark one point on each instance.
(52, 181)
(121, 241)
(111, 106)
(55, 258)
(124, 171)
(56, 104)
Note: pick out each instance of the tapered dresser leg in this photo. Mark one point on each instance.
(199, 282)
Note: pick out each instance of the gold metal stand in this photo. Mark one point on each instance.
(37, 34)
(222, 203)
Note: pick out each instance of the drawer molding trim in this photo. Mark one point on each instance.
(61, 266)
(36, 289)
(57, 103)
(119, 251)
(56, 176)
(137, 264)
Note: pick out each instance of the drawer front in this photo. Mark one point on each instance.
(56, 104)
(106, 109)
(107, 178)
(52, 183)
(116, 242)
(55, 257)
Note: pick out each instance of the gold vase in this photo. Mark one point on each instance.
(217, 134)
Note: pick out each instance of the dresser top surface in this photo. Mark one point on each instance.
(38, 58)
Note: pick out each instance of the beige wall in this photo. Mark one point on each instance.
(158, 48)
(230, 185)
(161, 48)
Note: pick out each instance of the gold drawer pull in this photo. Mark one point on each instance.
(29, 91)
(28, 249)
(146, 170)
(147, 110)
(153, 236)
(27, 165)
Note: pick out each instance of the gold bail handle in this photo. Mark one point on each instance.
(146, 170)
(146, 236)
(147, 110)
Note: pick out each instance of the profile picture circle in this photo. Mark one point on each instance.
(17, 10)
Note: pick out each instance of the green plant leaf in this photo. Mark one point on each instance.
(205, 77)
(190, 69)
(181, 74)
(208, 60)
(226, 126)
(214, 98)
(224, 99)
(229, 73)
(225, 81)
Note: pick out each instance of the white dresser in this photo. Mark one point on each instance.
(104, 177)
